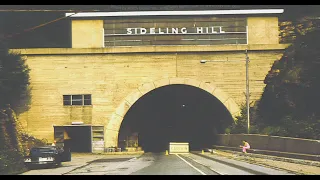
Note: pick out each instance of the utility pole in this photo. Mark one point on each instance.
(247, 92)
(247, 83)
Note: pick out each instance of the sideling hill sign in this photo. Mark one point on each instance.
(184, 30)
(175, 31)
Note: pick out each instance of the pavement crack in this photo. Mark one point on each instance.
(75, 169)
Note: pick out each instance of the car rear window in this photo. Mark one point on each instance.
(36, 151)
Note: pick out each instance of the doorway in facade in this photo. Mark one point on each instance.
(80, 138)
(76, 137)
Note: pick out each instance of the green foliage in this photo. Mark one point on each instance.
(11, 162)
(291, 96)
(289, 105)
(240, 126)
(29, 141)
(291, 29)
(11, 159)
(14, 90)
(12, 156)
(14, 81)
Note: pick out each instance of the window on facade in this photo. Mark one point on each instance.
(77, 100)
(87, 99)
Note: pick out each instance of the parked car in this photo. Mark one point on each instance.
(49, 156)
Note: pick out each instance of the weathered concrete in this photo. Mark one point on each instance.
(263, 30)
(116, 81)
(293, 166)
(242, 167)
(117, 77)
(280, 154)
(117, 117)
(271, 143)
(87, 33)
(153, 49)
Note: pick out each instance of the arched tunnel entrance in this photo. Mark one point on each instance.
(174, 113)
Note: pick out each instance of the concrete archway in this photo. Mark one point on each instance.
(113, 126)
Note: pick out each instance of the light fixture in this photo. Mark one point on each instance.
(203, 61)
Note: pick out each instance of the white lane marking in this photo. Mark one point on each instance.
(192, 165)
(208, 167)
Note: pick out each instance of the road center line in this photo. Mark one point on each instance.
(192, 165)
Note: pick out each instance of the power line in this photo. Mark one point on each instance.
(38, 26)
(45, 10)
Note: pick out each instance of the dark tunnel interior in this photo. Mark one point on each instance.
(175, 113)
(80, 138)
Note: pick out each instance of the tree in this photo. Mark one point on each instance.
(14, 91)
(289, 103)
(14, 81)
(240, 126)
(290, 99)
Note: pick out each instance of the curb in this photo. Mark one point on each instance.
(232, 165)
(253, 163)
(284, 159)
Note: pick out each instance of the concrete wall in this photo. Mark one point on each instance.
(272, 143)
(115, 78)
(87, 33)
(263, 30)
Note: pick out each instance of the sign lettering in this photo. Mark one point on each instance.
(175, 31)
(183, 30)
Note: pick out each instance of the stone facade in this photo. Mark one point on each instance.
(116, 77)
